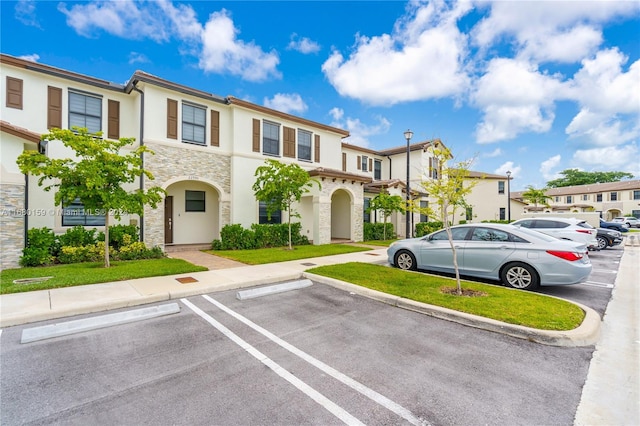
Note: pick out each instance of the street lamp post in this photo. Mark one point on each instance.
(408, 135)
(509, 195)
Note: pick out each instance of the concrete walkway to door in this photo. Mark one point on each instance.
(204, 259)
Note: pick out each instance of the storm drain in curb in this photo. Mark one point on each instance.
(186, 280)
(308, 264)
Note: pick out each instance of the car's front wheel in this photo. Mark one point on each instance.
(519, 275)
(602, 243)
(405, 260)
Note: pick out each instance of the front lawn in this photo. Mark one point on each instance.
(283, 254)
(91, 273)
(499, 303)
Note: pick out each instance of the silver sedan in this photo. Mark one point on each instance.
(519, 257)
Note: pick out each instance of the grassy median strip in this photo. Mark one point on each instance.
(90, 273)
(283, 254)
(499, 303)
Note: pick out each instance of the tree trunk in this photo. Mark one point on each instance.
(289, 211)
(106, 240)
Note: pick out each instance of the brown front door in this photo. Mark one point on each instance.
(168, 220)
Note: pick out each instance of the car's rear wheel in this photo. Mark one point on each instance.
(519, 275)
(602, 243)
(405, 260)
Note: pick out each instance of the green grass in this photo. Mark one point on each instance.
(92, 273)
(283, 254)
(384, 243)
(500, 303)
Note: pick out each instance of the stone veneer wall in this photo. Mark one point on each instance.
(11, 224)
(356, 192)
(194, 164)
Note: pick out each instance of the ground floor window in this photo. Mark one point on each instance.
(469, 213)
(503, 216)
(367, 214)
(263, 217)
(74, 214)
(194, 201)
(423, 207)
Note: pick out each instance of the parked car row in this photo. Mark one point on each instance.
(517, 256)
(618, 226)
(524, 254)
(630, 221)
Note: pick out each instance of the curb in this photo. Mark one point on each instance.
(586, 334)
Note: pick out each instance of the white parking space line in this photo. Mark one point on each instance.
(325, 402)
(364, 390)
(605, 271)
(597, 284)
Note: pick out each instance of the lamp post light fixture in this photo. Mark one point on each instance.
(408, 135)
(509, 195)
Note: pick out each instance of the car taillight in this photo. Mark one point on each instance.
(566, 255)
(585, 231)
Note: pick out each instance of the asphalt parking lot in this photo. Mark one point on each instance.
(312, 356)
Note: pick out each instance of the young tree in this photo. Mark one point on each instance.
(387, 204)
(96, 176)
(535, 196)
(279, 186)
(449, 191)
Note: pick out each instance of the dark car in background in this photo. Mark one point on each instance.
(621, 227)
(608, 238)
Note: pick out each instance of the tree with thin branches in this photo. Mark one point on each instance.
(95, 176)
(449, 191)
(280, 186)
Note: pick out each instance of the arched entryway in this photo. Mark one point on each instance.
(341, 215)
(191, 213)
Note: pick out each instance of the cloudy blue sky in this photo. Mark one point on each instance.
(534, 87)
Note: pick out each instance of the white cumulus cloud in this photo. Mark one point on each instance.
(359, 131)
(303, 44)
(547, 168)
(286, 102)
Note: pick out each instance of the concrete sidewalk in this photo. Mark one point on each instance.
(611, 392)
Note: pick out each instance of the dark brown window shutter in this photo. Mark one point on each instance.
(113, 126)
(317, 148)
(359, 159)
(256, 135)
(370, 164)
(215, 128)
(344, 161)
(172, 119)
(430, 167)
(54, 107)
(14, 93)
(289, 142)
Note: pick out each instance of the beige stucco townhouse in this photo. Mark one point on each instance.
(207, 149)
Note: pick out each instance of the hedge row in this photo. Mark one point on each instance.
(78, 244)
(235, 237)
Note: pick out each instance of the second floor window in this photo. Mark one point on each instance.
(304, 145)
(85, 111)
(501, 187)
(569, 199)
(636, 195)
(270, 138)
(377, 169)
(365, 161)
(613, 196)
(599, 198)
(193, 124)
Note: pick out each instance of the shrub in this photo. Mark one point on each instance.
(138, 250)
(89, 253)
(424, 228)
(235, 237)
(121, 235)
(77, 236)
(376, 231)
(40, 248)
